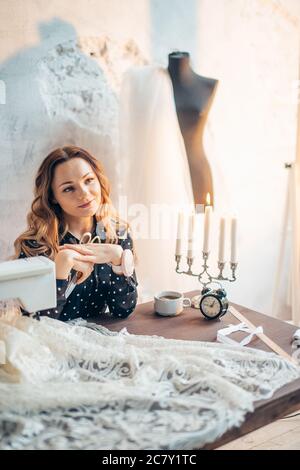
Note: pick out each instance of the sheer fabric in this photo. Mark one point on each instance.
(286, 292)
(295, 247)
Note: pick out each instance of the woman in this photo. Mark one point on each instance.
(72, 198)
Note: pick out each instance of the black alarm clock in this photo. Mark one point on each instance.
(213, 303)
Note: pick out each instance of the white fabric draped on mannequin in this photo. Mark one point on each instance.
(156, 176)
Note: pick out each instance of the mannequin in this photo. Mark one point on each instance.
(193, 98)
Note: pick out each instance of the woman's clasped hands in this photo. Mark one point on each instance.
(83, 257)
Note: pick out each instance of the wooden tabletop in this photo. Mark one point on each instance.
(191, 325)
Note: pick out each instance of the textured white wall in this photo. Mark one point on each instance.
(56, 91)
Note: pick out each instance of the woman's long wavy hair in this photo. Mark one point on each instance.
(46, 224)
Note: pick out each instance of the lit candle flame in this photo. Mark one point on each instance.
(208, 199)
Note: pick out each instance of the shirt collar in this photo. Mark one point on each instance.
(70, 238)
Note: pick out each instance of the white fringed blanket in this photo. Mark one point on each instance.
(81, 386)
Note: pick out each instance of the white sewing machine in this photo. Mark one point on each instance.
(30, 281)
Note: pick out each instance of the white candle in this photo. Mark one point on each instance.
(222, 240)
(207, 223)
(180, 227)
(233, 257)
(191, 235)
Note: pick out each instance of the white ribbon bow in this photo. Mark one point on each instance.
(222, 335)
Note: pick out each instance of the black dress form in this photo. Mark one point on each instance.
(193, 98)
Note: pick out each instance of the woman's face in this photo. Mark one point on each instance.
(76, 188)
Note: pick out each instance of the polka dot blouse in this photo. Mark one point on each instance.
(103, 290)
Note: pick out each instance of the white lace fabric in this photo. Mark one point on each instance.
(81, 386)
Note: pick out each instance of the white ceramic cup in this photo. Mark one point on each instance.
(170, 303)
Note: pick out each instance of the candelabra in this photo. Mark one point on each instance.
(204, 277)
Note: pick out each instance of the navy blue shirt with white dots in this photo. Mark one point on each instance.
(101, 290)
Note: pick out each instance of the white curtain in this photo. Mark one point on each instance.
(286, 294)
(288, 266)
(295, 284)
(295, 209)
(287, 279)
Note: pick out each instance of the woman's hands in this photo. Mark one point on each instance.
(102, 253)
(81, 260)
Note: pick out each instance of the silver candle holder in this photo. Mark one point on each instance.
(205, 277)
